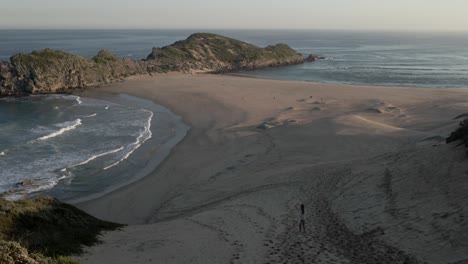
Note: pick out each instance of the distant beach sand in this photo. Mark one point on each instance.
(370, 164)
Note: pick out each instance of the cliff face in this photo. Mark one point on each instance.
(51, 71)
(204, 52)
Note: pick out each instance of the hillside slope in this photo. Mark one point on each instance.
(214, 53)
(41, 230)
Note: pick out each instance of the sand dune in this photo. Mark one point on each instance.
(358, 124)
(374, 190)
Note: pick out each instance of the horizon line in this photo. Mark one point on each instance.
(252, 29)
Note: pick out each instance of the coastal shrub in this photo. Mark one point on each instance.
(13, 253)
(104, 57)
(48, 227)
(42, 59)
(280, 51)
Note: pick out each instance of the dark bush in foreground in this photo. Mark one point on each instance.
(48, 227)
(461, 134)
(13, 253)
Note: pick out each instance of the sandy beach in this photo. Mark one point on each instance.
(370, 164)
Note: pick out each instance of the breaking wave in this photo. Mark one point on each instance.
(142, 138)
(70, 125)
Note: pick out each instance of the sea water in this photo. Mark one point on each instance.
(73, 147)
(417, 59)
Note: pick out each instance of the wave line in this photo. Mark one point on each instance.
(78, 99)
(97, 156)
(75, 124)
(139, 141)
(93, 115)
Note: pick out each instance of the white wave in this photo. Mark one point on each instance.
(107, 107)
(78, 99)
(139, 141)
(97, 156)
(2, 153)
(93, 115)
(125, 157)
(44, 184)
(73, 125)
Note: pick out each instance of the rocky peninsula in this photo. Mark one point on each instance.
(52, 71)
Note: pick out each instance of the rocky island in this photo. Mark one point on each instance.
(51, 71)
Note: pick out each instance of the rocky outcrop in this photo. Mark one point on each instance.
(52, 71)
(313, 57)
(460, 134)
(205, 52)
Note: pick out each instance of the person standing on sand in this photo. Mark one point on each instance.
(302, 219)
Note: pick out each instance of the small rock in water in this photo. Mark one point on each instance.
(28, 182)
(269, 124)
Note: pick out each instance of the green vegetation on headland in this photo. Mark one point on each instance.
(44, 230)
(52, 71)
(205, 52)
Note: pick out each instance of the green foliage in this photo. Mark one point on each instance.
(13, 252)
(170, 52)
(42, 59)
(205, 49)
(49, 227)
(281, 51)
(104, 57)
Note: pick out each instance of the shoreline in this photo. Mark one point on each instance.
(339, 83)
(146, 155)
(140, 158)
(233, 186)
(191, 133)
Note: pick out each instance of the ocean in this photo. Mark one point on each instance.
(76, 148)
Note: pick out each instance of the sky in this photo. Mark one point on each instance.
(401, 15)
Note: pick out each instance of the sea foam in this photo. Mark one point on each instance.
(97, 156)
(142, 138)
(93, 115)
(71, 125)
(78, 99)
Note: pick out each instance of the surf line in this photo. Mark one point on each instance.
(74, 125)
(93, 115)
(97, 156)
(78, 99)
(139, 141)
